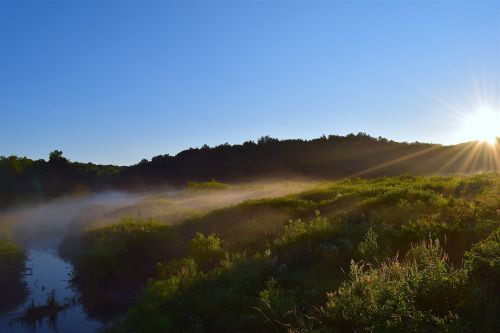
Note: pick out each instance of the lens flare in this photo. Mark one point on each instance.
(483, 125)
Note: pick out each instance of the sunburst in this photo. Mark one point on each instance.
(482, 125)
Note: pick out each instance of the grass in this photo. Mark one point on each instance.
(355, 255)
(206, 186)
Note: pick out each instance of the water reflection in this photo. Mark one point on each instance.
(13, 294)
(52, 304)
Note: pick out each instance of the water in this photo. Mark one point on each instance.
(49, 273)
(39, 229)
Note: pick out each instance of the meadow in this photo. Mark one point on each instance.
(390, 254)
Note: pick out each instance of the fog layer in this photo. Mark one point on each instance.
(45, 224)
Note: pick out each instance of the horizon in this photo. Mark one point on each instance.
(255, 141)
(115, 82)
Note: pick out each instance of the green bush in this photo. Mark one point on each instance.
(221, 300)
(12, 287)
(369, 248)
(299, 231)
(12, 259)
(483, 263)
(421, 293)
(206, 250)
(128, 251)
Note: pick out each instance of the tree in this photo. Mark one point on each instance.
(56, 155)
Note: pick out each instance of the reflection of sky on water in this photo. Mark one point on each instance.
(50, 272)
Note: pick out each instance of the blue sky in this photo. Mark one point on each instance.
(115, 81)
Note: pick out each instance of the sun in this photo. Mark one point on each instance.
(483, 125)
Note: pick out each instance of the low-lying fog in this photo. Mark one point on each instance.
(49, 221)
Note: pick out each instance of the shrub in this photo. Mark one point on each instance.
(418, 294)
(12, 288)
(296, 231)
(12, 259)
(125, 252)
(218, 301)
(206, 250)
(483, 262)
(368, 248)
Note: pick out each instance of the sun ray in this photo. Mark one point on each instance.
(395, 161)
(461, 152)
(457, 111)
(465, 167)
(496, 157)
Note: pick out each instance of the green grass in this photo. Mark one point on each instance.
(206, 186)
(382, 255)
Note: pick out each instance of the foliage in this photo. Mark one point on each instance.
(12, 259)
(483, 262)
(245, 268)
(298, 231)
(368, 248)
(220, 300)
(23, 179)
(206, 250)
(127, 251)
(12, 265)
(204, 186)
(416, 295)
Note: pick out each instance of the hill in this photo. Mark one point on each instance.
(327, 157)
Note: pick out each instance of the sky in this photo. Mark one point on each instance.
(118, 81)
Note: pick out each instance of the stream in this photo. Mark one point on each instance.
(47, 301)
(48, 273)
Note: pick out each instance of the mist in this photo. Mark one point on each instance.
(44, 224)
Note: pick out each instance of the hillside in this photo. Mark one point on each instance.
(416, 254)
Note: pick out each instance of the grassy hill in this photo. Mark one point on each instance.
(389, 254)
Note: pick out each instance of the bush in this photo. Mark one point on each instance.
(368, 248)
(483, 263)
(299, 231)
(125, 252)
(221, 300)
(206, 250)
(12, 259)
(418, 294)
(12, 287)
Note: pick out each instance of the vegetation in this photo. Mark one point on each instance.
(34, 315)
(11, 261)
(210, 185)
(383, 255)
(12, 264)
(327, 157)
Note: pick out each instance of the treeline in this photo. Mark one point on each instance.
(326, 157)
(25, 180)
